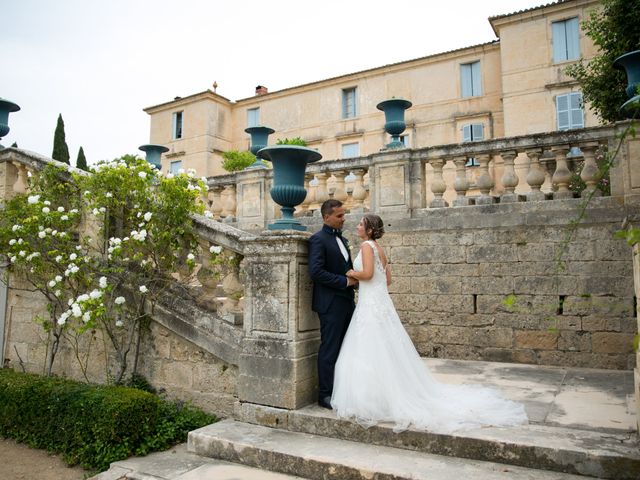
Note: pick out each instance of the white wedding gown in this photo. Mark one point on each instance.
(379, 376)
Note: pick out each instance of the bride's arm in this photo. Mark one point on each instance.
(387, 271)
(367, 264)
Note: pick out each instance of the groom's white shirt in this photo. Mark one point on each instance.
(345, 254)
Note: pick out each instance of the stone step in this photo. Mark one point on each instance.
(318, 457)
(602, 454)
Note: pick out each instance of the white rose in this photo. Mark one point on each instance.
(45, 210)
(143, 289)
(33, 199)
(147, 216)
(119, 300)
(142, 174)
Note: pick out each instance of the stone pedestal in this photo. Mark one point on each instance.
(277, 365)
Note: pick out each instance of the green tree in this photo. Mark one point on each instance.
(60, 148)
(81, 161)
(234, 161)
(14, 145)
(615, 30)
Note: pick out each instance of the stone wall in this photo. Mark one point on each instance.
(482, 283)
(173, 365)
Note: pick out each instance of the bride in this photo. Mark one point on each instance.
(379, 375)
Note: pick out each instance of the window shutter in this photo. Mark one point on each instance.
(577, 114)
(572, 28)
(562, 109)
(466, 85)
(466, 133)
(173, 126)
(559, 39)
(477, 132)
(476, 79)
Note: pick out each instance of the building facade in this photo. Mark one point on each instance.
(513, 86)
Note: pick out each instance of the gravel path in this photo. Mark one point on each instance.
(20, 462)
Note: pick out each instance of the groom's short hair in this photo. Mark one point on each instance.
(328, 206)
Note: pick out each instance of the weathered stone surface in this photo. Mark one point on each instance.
(536, 340)
(610, 342)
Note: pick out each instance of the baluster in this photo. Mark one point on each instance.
(562, 176)
(304, 206)
(461, 183)
(590, 173)
(535, 175)
(216, 201)
(340, 192)
(229, 206)
(208, 278)
(509, 177)
(438, 187)
(485, 182)
(359, 193)
(321, 191)
(22, 183)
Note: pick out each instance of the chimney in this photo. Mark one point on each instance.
(260, 90)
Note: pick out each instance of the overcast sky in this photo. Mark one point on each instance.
(100, 62)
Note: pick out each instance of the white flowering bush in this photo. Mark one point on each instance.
(99, 246)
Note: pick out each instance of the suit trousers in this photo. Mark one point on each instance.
(333, 327)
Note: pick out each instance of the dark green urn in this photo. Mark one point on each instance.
(394, 123)
(289, 166)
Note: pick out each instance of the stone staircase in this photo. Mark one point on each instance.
(581, 426)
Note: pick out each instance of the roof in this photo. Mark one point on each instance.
(370, 70)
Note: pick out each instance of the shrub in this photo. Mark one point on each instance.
(90, 425)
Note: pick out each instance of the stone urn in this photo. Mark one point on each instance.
(394, 123)
(630, 63)
(153, 153)
(6, 107)
(259, 139)
(289, 166)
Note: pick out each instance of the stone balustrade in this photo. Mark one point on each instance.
(410, 182)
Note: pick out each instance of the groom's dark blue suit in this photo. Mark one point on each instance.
(332, 300)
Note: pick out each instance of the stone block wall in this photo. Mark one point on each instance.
(482, 283)
(172, 364)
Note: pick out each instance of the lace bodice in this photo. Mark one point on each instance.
(379, 279)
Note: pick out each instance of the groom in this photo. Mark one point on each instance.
(333, 296)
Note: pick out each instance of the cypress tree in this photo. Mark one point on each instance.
(81, 161)
(60, 148)
(14, 145)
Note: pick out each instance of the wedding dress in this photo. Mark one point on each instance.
(380, 377)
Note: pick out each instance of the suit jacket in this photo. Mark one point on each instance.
(327, 268)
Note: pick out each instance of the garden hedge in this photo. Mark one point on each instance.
(90, 425)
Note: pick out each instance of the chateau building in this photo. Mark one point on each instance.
(512, 86)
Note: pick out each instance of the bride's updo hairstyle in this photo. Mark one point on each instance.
(373, 226)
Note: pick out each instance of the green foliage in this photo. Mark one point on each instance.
(235, 160)
(292, 141)
(60, 148)
(81, 161)
(615, 30)
(90, 425)
(137, 231)
(14, 145)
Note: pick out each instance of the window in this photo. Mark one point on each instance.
(473, 132)
(569, 111)
(177, 125)
(470, 84)
(350, 150)
(253, 117)
(175, 166)
(349, 102)
(566, 40)
(405, 140)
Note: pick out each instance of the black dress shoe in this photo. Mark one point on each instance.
(325, 402)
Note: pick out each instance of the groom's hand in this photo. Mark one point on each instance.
(351, 282)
